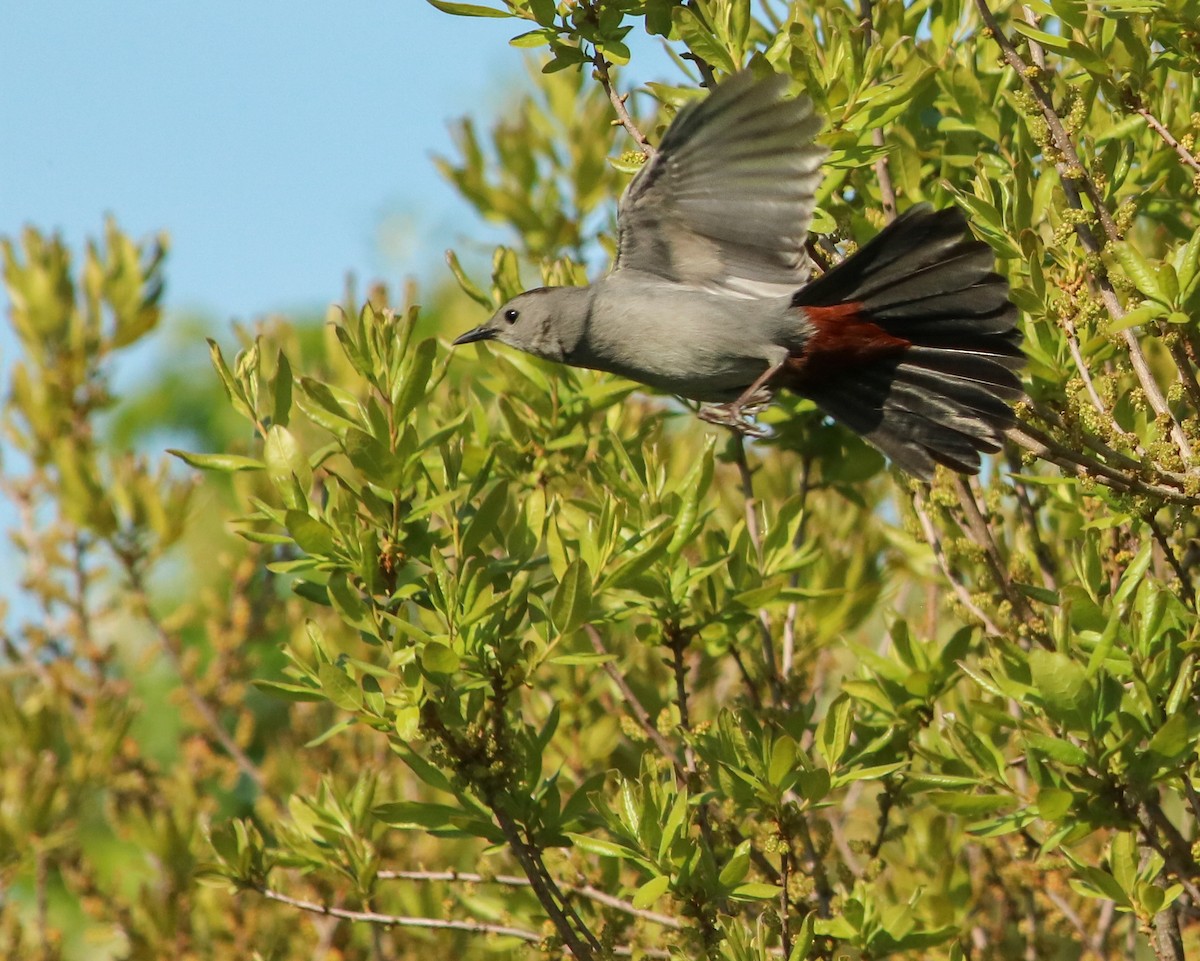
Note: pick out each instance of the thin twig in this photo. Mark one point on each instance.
(887, 192)
(618, 102)
(793, 610)
(399, 920)
(1175, 851)
(752, 528)
(570, 927)
(1155, 125)
(1185, 582)
(1032, 529)
(821, 886)
(631, 700)
(518, 881)
(1046, 447)
(978, 530)
(960, 590)
(1090, 939)
(407, 921)
(1085, 376)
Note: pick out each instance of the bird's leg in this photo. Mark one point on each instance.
(738, 415)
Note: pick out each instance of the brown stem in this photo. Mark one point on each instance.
(770, 664)
(618, 102)
(518, 881)
(1168, 139)
(960, 590)
(570, 927)
(398, 920)
(981, 534)
(1185, 582)
(887, 192)
(1164, 837)
(1168, 939)
(631, 700)
(793, 610)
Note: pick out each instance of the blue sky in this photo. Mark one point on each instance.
(280, 145)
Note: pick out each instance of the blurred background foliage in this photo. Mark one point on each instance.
(461, 655)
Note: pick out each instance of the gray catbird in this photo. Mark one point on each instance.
(911, 341)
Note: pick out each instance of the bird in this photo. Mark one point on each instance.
(911, 341)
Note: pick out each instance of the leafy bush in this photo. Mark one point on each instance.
(510, 657)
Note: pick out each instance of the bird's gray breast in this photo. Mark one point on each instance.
(695, 343)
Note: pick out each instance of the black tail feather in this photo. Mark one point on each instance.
(944, 400)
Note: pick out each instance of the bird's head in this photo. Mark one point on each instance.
(539, 322)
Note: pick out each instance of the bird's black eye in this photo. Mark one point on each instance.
(511, 315)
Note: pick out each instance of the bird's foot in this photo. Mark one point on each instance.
(738, 415)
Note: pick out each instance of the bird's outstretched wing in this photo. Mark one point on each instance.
(725, 203)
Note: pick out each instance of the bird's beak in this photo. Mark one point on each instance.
(482, 332)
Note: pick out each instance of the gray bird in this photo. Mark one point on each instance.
(911, 341)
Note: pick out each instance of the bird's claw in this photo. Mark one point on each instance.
(738, 415)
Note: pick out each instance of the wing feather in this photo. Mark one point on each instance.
(726, 202)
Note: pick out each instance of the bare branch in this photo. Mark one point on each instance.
(770, 665)
(399, 920)
(641, 715)
(518, 881)
(887, 193)
(618, 102)
(960, 590)
(1155, 125)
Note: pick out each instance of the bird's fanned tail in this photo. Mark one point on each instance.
(914, 344)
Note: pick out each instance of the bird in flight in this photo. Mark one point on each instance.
(911, 341)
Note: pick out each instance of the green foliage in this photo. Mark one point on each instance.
(507, 657)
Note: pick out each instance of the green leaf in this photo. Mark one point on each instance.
(348, 603)
(534, 38)
(438, 658)
(1047, 40)
(226, 463)
(1172, 739)
(484, 520)
(414, 379)
(289, 692)
(285, 461)
(1138, 269)
(1054, 803)
(312, 536)
(646, 895)
(973, 805)
(415, 814)
(281, 391)
(1063, 685)
(1058, 749)
(572, 599)
(1137, 317)
(755, 891)
(467, 9)
(700, 39)
(737, 867)
(339, 688)
(602, 848)
(582, 660)
(833, 733)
